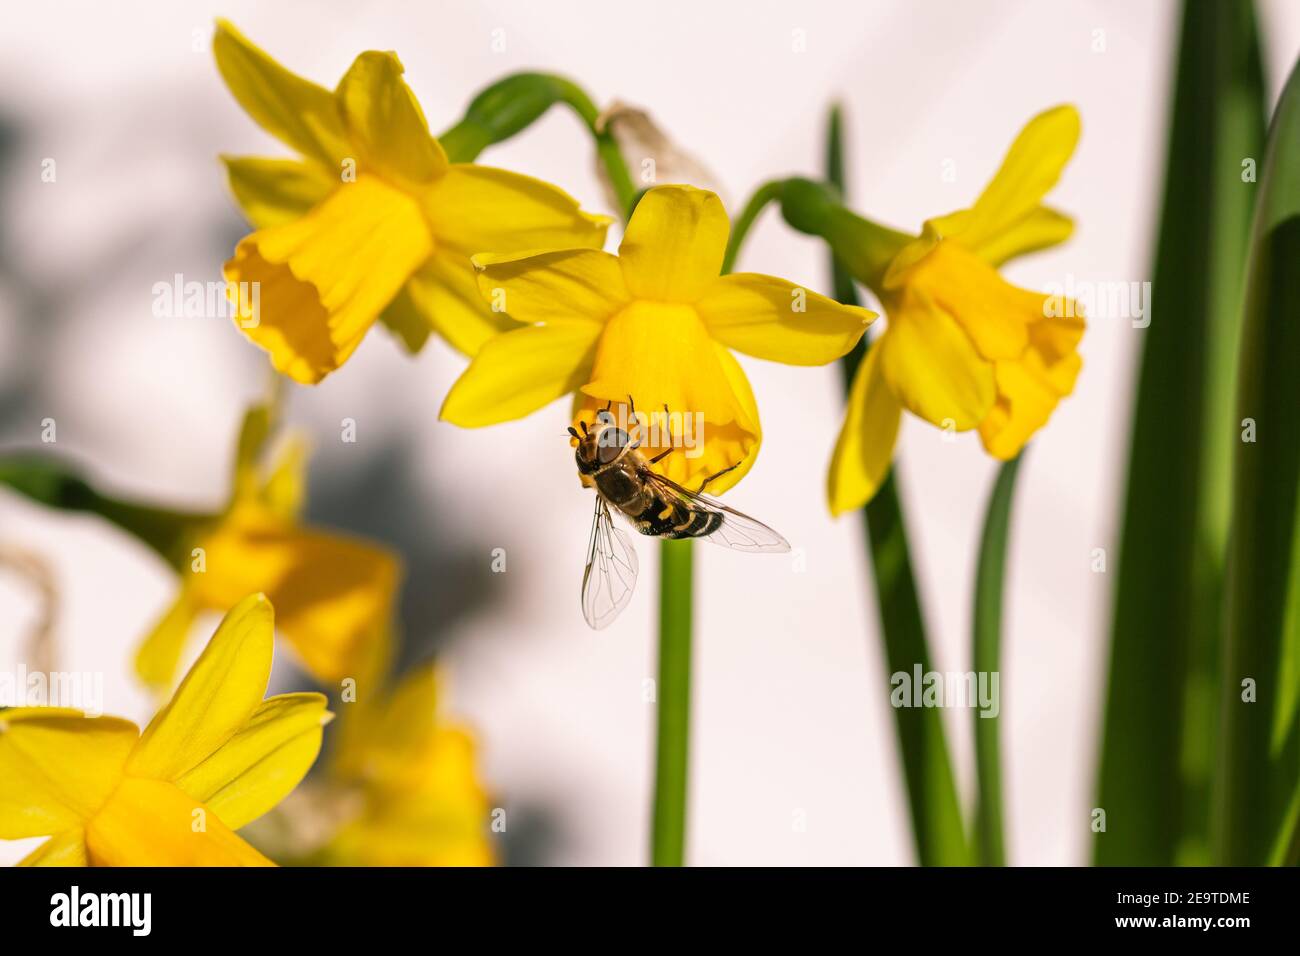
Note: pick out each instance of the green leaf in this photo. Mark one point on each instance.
(1166, 643)
(55, 484)
(989, 843)
(931, 790)
(1258, 783)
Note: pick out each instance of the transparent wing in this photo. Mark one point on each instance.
(610, 576)
(737, 531)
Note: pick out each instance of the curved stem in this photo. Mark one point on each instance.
(607, 149)
(511, 104)
(765, 194)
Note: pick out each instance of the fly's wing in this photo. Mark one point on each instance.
(737, 531)
(610, 576)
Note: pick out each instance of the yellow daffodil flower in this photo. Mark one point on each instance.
(963, 348)
(421, 802)
(655, 322)
(373, 222)
(334, 593)
(216, 757)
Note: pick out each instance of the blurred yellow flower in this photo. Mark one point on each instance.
(962, 347)
(373, 222)
(334, 593)
(216, 757)
(656, 322)
(421, 802)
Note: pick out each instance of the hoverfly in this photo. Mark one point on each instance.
(609, 460)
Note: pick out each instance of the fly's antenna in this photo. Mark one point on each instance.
(574, 432)
(584, 428)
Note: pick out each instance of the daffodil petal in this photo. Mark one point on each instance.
(63, 849)
(155, 823)
(420, 830)
(776, 320)
(406, 320)
(1031, 168)
(1041, 228)
(57, 766)
(261, 764)
(442, 296)
(272, 192)
(425, 805)
(518, 372)
(295, 111)
(477, 209)
(864, 450)
(674, 244)
(446, 293)
(385, 120)
(331, 592)
(386, 734)
(285, 487)
(159, 655)
(321, 281)
(933, 367)
(216, 698)
(553, 286)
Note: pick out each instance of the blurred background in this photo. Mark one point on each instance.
(793, 743)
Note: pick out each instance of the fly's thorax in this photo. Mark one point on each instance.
(621, 483)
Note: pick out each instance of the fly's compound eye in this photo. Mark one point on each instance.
(611, 442)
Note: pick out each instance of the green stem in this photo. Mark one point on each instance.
(765, 194)
(987, 633)
(931, 790)
(668, 839)
(676, 584)
(511, 104)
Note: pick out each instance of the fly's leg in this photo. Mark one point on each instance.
(669, 450)
(717, 474)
